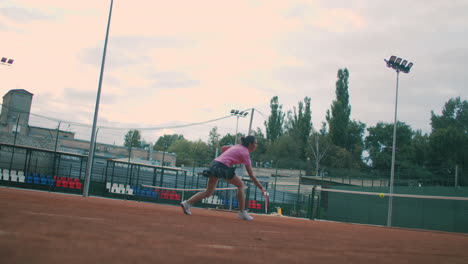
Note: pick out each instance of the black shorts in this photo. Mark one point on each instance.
(219, 170)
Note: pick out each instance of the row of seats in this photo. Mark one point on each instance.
(65, 182)
(13, 175)
(142, 191)
(254, 205)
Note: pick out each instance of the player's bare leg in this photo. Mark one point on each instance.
(236, 181)
(210, 188)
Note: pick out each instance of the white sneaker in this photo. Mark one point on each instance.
(186, 207)
(245, 216)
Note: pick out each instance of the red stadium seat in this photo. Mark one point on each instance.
(58, 183)
(71, 184)
(65, 184)
(78, 185)
(259, 206)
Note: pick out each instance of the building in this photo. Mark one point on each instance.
(15, 129)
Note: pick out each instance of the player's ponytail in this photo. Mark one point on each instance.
(247, 140)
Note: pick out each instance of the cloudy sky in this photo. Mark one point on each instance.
(180, 62)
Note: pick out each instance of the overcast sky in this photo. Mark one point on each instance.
(180, 62)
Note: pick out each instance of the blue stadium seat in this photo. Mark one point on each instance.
(36, 180)
(29, 179)
(43, 181)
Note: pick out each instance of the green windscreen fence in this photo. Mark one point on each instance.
(435, 208)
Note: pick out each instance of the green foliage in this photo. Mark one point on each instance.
(213, 141)
(379, 143)
(165, 141)
(300, 124)
(339, 117)
(227, 139)
(189, 152)
(132, 138)
(449, 137)
(274, 124)
(286, 150)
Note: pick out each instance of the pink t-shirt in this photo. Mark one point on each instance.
(236, 154)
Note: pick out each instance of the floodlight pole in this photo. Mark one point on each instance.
(89, 164)
(250, 124)
(398, 65)
(392, 170)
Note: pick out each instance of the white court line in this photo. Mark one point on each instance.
(67, 216)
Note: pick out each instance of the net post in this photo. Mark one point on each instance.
(230, 200)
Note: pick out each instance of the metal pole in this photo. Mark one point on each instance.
(456, 176)
(89, 164)
(14, 145)
(237, 123)
(392, 172)
(55, 148)
(250, 124)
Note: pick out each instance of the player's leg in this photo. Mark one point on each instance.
(236, 181)
(210, 188)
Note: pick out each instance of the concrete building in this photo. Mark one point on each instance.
(14, 119)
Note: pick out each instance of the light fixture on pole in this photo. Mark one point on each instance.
(398, 64)
(238, 114)
(6, 61)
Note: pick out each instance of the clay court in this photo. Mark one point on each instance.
(42, 227)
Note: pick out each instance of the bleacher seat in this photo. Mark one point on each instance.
(36, 180)
(121, 188)
(6, 175)
(44, 181)
(65, 184)
(14, 177)
(114, 188)
(29, 179)
(71, 184)
(50, 180)
(21, 178)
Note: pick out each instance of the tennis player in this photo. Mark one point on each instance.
(221, 168)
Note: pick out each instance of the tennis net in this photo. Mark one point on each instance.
(437, 208)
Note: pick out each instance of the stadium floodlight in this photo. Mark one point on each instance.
(6, 61)
(398, 65)
(238, 114)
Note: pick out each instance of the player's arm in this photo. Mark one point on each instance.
(253, 178)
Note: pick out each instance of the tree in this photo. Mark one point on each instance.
(379, 143)
(132, 138)
(227, 139)
(274, 124)
(213, 141)
(355, 139)
(300, 125)
(166, 141)
(190, 153)
(449, 136)
(285, 152)
(339, 117)
(319, 146)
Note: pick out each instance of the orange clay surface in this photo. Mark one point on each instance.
(42, 227)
